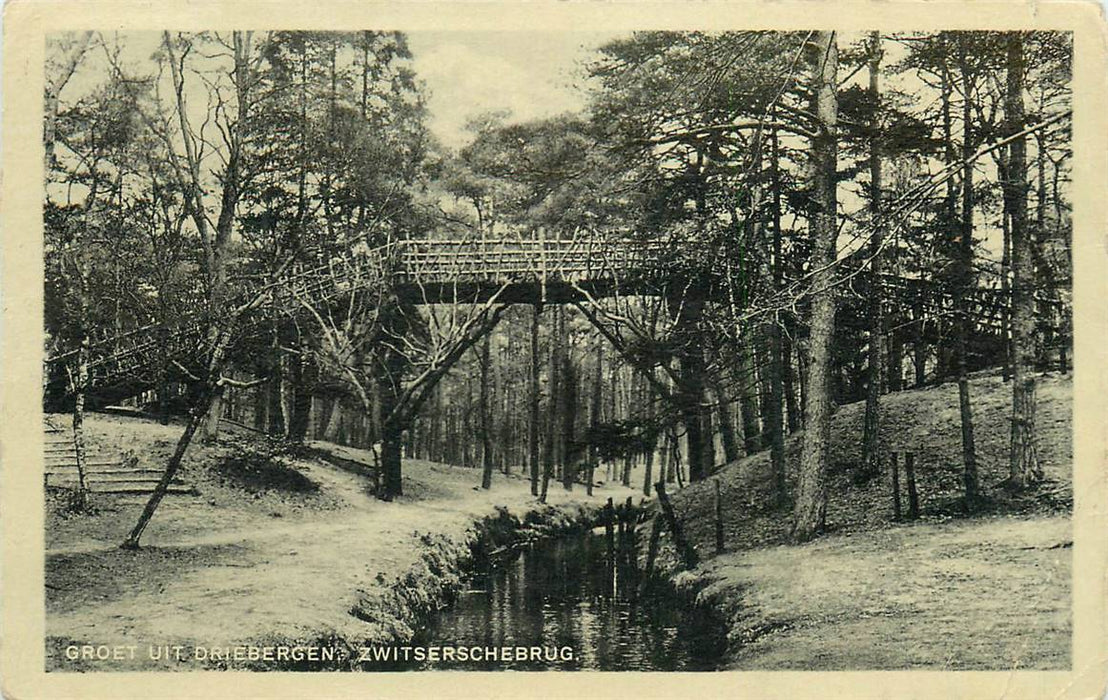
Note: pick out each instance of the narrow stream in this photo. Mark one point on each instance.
(565, 593)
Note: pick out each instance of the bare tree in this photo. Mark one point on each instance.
(391, 355)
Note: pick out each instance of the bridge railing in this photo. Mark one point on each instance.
(521, 259)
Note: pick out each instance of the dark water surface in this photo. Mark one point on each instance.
(566, 592)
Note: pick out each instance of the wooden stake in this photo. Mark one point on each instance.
(609, 529)
(894, 458)
(652, 548)
(913, 496)
(719, 519)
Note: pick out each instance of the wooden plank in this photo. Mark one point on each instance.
(115, 482)
(171, 490)
(72, 469)
(69, 463)
(113, 474)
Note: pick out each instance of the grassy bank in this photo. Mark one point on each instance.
(945, 591)
(262, 557)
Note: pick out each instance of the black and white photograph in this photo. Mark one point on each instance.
(390, 352)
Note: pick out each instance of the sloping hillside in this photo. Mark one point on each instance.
(991, 591)
(924, 421)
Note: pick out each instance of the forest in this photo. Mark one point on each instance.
(741, 232)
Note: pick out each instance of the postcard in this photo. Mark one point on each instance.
(554, 349)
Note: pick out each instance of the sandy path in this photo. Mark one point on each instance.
(196, 582)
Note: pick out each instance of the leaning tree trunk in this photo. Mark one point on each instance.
(1024, 468)
(870, 466)
(200, 408)
(811, 500)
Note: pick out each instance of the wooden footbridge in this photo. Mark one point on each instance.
(434, 272)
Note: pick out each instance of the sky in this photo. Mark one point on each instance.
(529, 73)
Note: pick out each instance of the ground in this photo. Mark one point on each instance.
(946, 591)
(258, 556)
(988, 594)
(241, 562)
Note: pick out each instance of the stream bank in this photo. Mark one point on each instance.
(398, 608)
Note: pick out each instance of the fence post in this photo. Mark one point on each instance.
(893, 464)
(609, 530)
(652, 550)
(913, 496)
(719, 519)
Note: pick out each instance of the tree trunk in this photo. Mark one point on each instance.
(802, 375)
(552, 423)
(811, 502)
(484, 362)
(963, 287)
(652, 443)
(726, 424)
(774, 419)
(334, 421)
(201, 407)
(391, 461)
(748, 400)
(1024, 468)
(568, 412)
(780, 367)
(389, 425)
(788, 386)
(690, 394)
(594, 410)
(558, 388)
(871, 458)
(81, 381)
(80, 385)
(684, 547)
(303, 384)
(215, 413)
(195, 417)
(533, 403)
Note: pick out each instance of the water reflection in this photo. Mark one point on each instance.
(573, 592)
